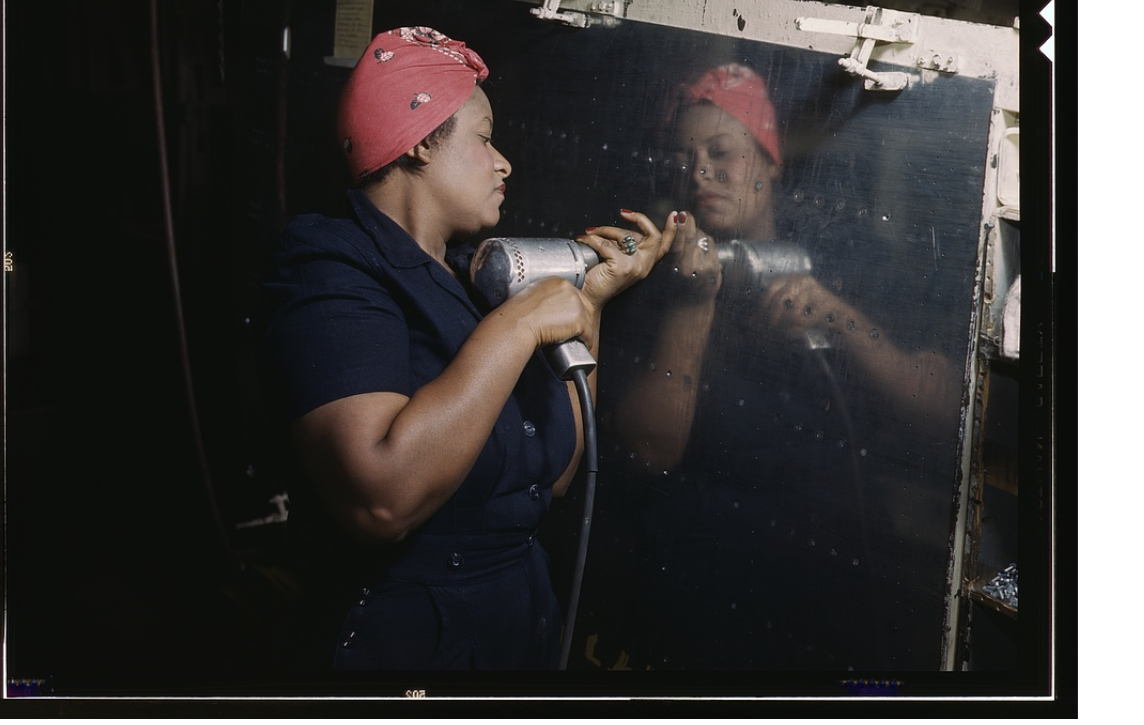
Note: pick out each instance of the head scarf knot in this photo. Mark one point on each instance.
(406, 83)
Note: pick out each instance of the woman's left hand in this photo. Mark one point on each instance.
(626, 256)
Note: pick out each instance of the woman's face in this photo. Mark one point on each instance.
(730, 179)
(468, 170)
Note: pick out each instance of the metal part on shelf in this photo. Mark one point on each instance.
(1003, 587)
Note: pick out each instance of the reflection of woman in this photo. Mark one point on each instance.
(739, 420)
(432, 436)
(725, 135)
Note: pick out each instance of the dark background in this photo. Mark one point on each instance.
(125, 571)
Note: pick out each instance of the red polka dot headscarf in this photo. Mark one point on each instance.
(406, 83)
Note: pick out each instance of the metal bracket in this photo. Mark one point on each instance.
(944, 62)
(888, 26)
(598, 13)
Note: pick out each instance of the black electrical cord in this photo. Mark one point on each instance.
(172, 259)
(591, 458)
(860, 491)
(852, 444)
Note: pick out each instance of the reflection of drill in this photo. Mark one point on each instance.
(503, 266)
(758, 264)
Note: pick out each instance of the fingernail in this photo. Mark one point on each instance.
(626, 211)
(591, 229)
(581, 237)
(682, 217)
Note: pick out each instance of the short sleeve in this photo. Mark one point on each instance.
(331, 327)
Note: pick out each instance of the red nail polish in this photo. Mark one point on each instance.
(626, 211)
(682, 217)
(591, 229)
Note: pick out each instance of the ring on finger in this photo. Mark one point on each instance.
(629, 243)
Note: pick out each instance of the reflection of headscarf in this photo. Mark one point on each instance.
(407, 83)
(740, 91)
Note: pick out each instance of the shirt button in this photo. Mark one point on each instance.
(455, 560)
(534, 492)
(529, 428)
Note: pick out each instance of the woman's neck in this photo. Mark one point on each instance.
(399, 199)
(762, 227)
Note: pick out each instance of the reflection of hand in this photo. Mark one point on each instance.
(656, 410)
(798, 302)
(694, 262)
(922, 385)
(619, 270)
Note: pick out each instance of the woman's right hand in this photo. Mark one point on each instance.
(551, 310)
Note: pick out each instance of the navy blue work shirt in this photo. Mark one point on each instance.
(356, 306)
(361, 308)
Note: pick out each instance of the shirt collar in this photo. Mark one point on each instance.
(403, 252)
(394, 243)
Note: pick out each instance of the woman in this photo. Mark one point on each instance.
(751, 478)
(724, 131)
(432, 434)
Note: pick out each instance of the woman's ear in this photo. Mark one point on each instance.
(774, 171)
(769, 175)
(422, 153)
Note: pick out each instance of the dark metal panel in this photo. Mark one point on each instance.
(807, 525)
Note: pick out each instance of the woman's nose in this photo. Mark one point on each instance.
(501, 163)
